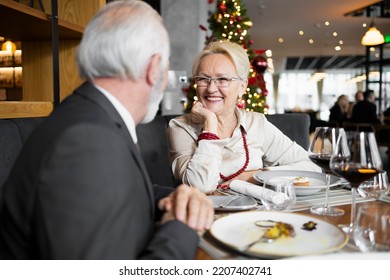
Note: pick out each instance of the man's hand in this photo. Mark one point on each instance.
(189, 206)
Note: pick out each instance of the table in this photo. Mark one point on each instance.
(208, 240)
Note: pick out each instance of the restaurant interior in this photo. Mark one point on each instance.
(313, 52)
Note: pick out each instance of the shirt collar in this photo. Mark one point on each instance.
(240, 113)
(126, 116)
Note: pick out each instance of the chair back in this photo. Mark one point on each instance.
(13, 135)
(153, 144)
(294, 125)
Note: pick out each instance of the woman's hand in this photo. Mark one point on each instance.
(200, 114)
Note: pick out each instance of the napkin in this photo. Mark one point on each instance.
(258, 192)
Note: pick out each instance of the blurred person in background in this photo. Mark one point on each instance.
(359, 96)
(365, 111)
(339, 111)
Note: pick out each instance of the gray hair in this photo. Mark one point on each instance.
(120, 40)
(233, 51)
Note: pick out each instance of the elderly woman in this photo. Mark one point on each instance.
(218, 142)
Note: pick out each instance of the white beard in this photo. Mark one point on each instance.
(154, 101)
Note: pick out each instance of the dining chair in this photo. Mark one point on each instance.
(295, 125)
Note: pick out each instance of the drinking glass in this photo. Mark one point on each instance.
(321, 149)
(372, 228)
(281, 198)
(356, 159)
(376, 187)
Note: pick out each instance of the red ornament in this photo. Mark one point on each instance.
(252, 81)
(257, 52)
(211, 1)
(260, 64)
(239, 18)
(222, 7)
(262, 84)
(250, 42)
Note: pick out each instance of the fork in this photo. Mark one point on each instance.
(262, 239)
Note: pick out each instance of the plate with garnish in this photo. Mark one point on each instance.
(274, 235)
(305, 182)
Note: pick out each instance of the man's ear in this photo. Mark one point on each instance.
(153, 70)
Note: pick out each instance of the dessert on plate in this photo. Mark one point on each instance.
(301, 181)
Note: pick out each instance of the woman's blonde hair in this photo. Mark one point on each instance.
(233, 51)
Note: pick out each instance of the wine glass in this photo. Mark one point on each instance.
(281, 198)
(372, 229)
(356, 159)
(321, 149)
(376, 187)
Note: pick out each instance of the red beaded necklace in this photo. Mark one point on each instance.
(234, 175)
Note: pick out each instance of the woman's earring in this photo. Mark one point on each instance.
(240, 103)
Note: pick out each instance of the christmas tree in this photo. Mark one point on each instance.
(230, 22)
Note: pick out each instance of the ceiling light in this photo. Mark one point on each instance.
(341, 42)
(334, 34)
(337, 48)
(311, 41)
(280, 40)
(301, 32)
(327, 23)
(372, 37)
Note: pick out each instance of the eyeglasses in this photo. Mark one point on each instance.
(222, 82)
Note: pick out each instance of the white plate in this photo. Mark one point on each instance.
(230, 203)
(238, 230)
(317, 180)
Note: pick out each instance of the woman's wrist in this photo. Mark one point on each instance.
(211, 126)
(206, 135)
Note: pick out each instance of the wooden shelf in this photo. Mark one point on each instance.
(22, 23)
(33, 29)
(24, 109)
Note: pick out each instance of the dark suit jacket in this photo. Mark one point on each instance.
(79, 190)
(337, 115)
(364, 112)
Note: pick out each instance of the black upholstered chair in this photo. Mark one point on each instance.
(153, 144)
(294, 125)
(13, 135)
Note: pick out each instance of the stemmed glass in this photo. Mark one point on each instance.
(356, 159)
(283, 196)
(321, 149)
(376, 187)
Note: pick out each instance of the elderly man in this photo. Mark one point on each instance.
(79, 189)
